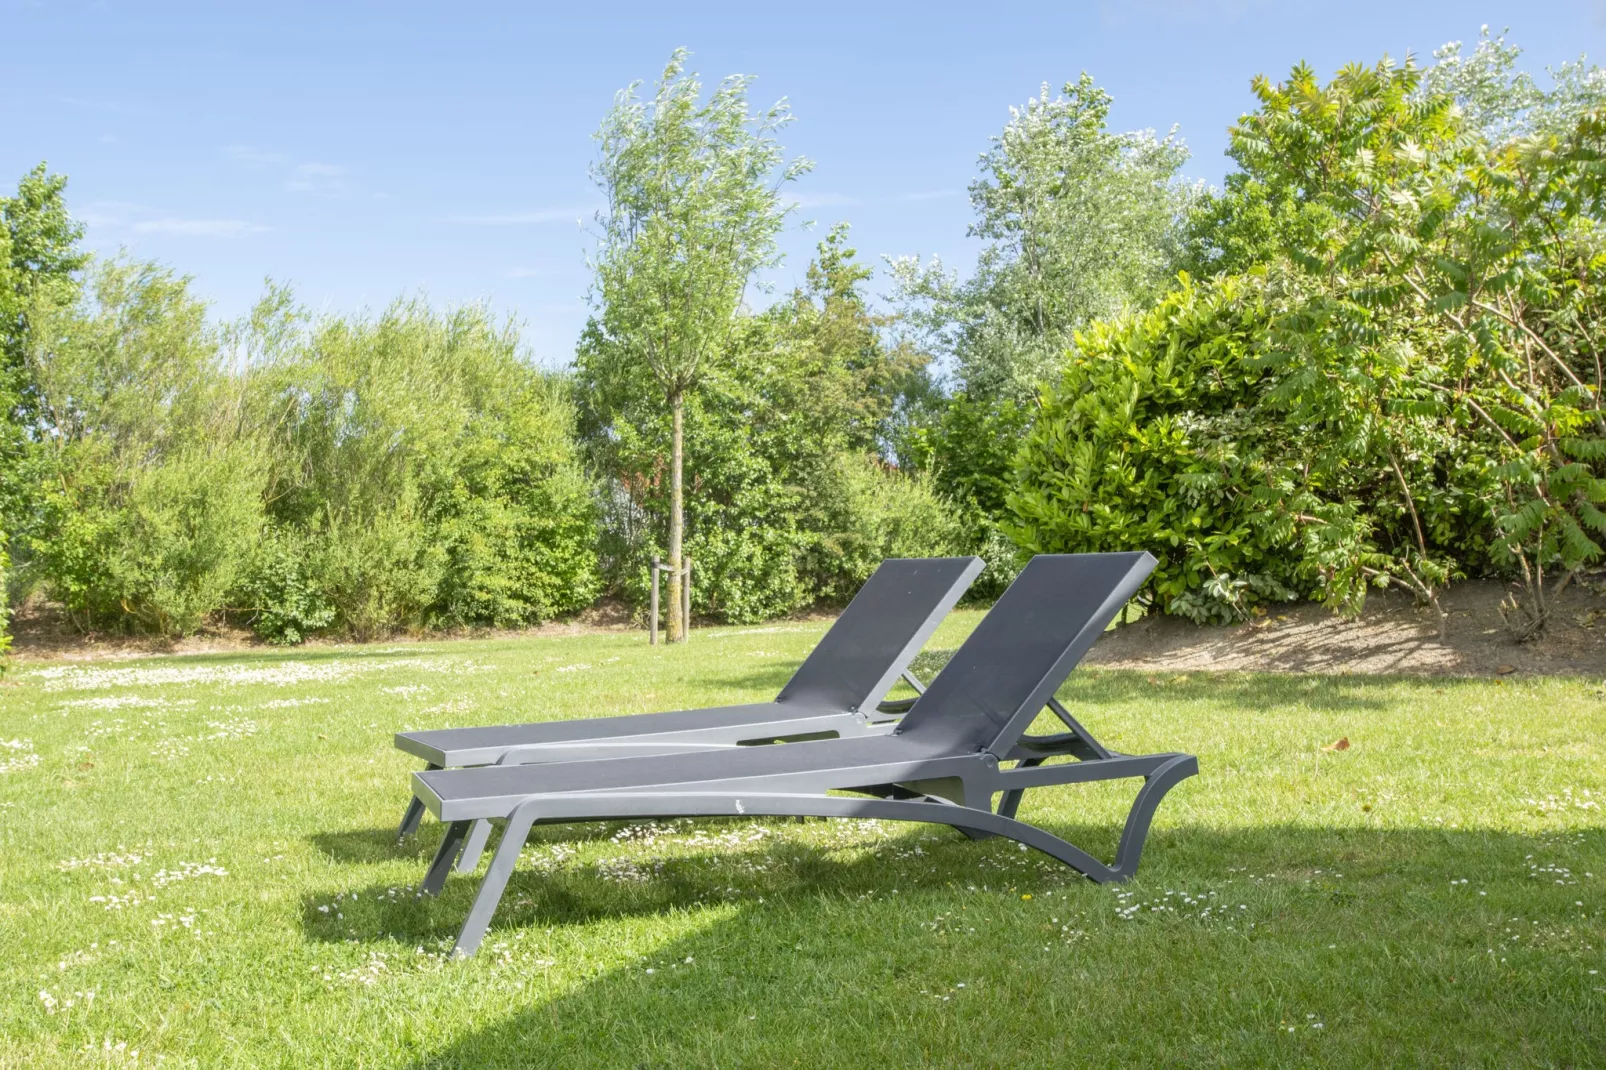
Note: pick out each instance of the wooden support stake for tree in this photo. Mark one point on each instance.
(652, 614)
(685, 604)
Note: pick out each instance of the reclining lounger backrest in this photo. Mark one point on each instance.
(859, 659)
(1006, 671)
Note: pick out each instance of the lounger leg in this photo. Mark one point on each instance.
(495, 882)
(469, 860)
(1010, 803)
(1154, 789)
(435, 879)
(415, 810)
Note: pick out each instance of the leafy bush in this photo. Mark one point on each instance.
(785, 506)
(279, 592)
(1256, 469)
(1150, 442)
(421, 475)
(153, 496)
(872, 513)
(1395, 378)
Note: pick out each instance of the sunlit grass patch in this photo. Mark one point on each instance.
(199, 863)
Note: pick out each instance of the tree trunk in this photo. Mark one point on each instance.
(676, 517)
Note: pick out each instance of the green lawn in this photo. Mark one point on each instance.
(198, 864)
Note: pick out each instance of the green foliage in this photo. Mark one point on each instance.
(39, 256)
(1500, 102)
(972, 447)
(39, 262)
(352, 476)
(694, 208)
(422, 474)
(282, 586)
(1415, 386)
(1080, 223)
(868, 512)
(153, 495)
(786, 507)
(1151, 442)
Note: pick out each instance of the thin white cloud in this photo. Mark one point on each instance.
(821, 200)
(544, 215)
(321, 179)
(108, 213)
(113, 107)
(199, 228)
(256, 157)
(1190, 12)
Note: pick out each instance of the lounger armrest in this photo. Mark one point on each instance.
(1061, 743)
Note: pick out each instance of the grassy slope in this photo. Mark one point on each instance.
(1411, 900)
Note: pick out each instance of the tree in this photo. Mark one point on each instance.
(153, 495)
(40, 262)
(420, 473)
(39, 265)
(795, 497)
(39, 257)
(693, 211)
(1080, 223)
(1499, 102)
(1420, 387)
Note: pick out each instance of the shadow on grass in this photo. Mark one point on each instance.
(370, 846)
(769, 678)
(846, 953)
(929, 860)
(1238, 692)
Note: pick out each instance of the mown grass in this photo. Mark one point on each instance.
(206, 845)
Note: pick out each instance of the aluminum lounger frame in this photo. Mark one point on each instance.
(942, 763)
(834, 693)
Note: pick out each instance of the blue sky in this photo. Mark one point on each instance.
(363, 151)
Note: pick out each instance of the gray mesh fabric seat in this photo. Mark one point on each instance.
(942, 763)
(837, 691)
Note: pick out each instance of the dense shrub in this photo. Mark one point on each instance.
(1260, 455)
(357, 476)
(1153, 441)
(787, 501)
(422, 474)
(873, 512)
(154, 492)
(1394, 379)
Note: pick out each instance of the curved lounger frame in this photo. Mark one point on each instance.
(606, 806)
(942, 762)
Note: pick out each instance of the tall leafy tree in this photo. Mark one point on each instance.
(40, 261)
(1418, 392)
(1500, 101)
(794, 499)
(1079, 222)
(693, 211)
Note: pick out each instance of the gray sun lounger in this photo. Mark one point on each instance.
(942, 763)
(837, 691)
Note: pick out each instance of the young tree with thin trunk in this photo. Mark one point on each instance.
(693, 211)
